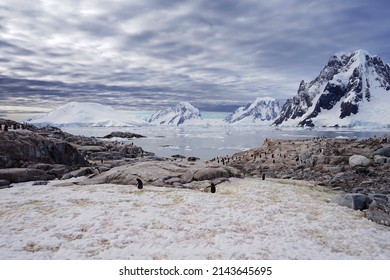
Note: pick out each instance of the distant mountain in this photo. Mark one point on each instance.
(85, 114)
(353, 89)
(182, 113)
(262, 110)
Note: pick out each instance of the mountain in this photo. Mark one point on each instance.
(353, 89)
(85, 114)
(182, 113)
(263, 109)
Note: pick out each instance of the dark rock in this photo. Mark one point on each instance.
(84, 171)
(192, 158)
(4, 184)
(21, 146)
(385, 151)
(379, 213)
(178, 156)
(355, 201)
(17, 175)
(40, 183)
(120, 134)
(382, 198)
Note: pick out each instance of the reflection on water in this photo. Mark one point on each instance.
(209, 142)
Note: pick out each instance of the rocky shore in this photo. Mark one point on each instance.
(30, 153)
(359, 169)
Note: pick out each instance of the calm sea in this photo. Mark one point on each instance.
(219, 140)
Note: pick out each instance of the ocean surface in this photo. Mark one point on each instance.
(207, 142)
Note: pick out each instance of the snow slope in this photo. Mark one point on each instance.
(86, 114)
(245, 219)
(352, 90)
(182, 113)
(263, 110)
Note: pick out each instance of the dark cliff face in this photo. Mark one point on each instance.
(345, 81)
(21, 147)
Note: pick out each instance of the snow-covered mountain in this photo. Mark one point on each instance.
(262, 110)
(85, 114)
(182, 113)
(353, 89)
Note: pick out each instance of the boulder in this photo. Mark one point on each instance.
(379, 212)
(211, 173)
(359, 160)
(84, 171)
(385, 151)
(355, 201)
(380, 159)
(17, 175)
(382, 198)
(187, 176)
(4, 184)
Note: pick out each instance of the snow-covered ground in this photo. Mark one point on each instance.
(245, 219)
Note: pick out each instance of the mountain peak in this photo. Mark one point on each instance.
(182, 113)
(262, 109)
(349, 84)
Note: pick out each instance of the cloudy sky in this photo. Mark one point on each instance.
(149, 54)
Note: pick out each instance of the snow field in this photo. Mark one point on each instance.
(245, 219)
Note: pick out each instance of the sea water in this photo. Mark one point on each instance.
(207, 142)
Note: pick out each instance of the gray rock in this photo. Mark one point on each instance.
(379, 213)
(385, 151)
(380, 159)
(4, 184)
(175, 181)
(164, 174)
(120, 134)
(359, 160)
(84, 171)
(17, 175)
(356, 201)
(187, 176)
(210, 173)
(382, 198)
(20, 147)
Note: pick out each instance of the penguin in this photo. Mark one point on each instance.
(213, 188)
(140, 185)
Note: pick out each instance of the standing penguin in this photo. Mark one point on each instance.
(213, 189)
(140, 185)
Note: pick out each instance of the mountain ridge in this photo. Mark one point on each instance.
(261, 110)
(351, 86)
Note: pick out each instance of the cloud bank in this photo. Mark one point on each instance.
(144, 55)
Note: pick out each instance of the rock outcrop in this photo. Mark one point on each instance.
(359, 169)
(182, 174)
(30, 153)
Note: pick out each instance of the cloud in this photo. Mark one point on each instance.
(152, 53)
